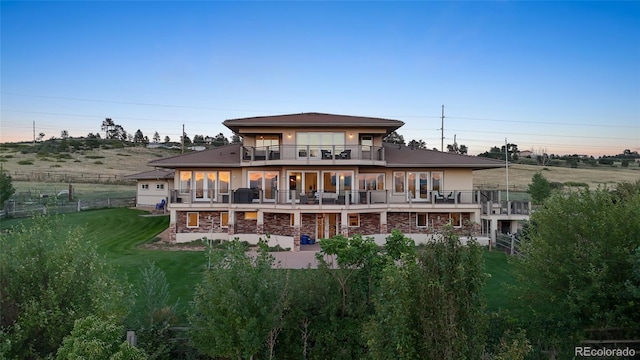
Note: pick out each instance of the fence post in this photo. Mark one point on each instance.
(512, 243)
(78, 205)
(108, 202)
(131, 338)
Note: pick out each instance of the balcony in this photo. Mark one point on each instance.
(328, 154)
(355, 198)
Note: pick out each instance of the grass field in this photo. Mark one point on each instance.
(497, 266)
(117, 233)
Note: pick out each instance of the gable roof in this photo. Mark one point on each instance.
(156, 174)
(222, 156)
(406, 156)
(312, 119)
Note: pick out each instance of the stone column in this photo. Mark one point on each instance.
(296, 238)
(383, 223)
(260, 223)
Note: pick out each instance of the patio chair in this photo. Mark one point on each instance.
(326, 154)
(437, 197)
(161, 204)
(346, 154)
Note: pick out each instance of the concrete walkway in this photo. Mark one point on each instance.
(305, 258)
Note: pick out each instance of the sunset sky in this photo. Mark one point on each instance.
(563, 76)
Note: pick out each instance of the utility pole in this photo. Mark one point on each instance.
(442, 131)
(182, 137)
(34, 133)
(506, 161)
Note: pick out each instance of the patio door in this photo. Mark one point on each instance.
(302, 182)
(418, 186)
(205, 185)
(327, 226)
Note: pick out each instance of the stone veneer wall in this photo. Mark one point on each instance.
(244, 226)
(309, 222)
(369, 225)
(278, 224)
(204, 223)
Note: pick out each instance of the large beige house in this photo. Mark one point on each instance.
(312, 176)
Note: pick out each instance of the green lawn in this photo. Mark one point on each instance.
(496, 265)
(117, 234)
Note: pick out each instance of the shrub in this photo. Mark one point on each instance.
(94, 157)
(98, 162)
(576, 184)
(556, 185)
(25, 162)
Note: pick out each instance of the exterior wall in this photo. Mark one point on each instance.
(369, 225)
(152, 195)
(245, 226)
(308, 224)
(278, 224)
(209, 221)
(458, 179)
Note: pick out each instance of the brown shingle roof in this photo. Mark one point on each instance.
(312, 120)
(151, 175)
(405, 156)
(222, 156)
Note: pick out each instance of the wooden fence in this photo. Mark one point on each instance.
(68, 177)
(28, 209)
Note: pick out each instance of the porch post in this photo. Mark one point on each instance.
(260, 223)
(344, 223)
(383, 223)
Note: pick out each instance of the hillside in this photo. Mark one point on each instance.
(109, 165)
(520, 176)
(99, 164)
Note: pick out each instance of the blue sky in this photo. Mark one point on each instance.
(560, 76)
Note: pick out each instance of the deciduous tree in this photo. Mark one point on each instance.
(6, 186)
(578, 266)
(539, 188)
(51, 276)
(394, 138)
(239, 305)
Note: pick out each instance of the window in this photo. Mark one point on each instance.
(292, 220)
(436, 181)
(204, 183)
(144, 186)
(159, 186)
(193, 219)
(371, 181)
(455, 219)
(225, 179)
(264, 180)
(367, 142)
(327, 141)
(337, 182)
(421, 220)
(251, 215)
(398, 182)
(268, 141)
(185, 182)
(224, 219)
(354, 220)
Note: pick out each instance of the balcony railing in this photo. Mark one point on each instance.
(313, 152)
(350, 197)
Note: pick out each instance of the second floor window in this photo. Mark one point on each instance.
(267, 141)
